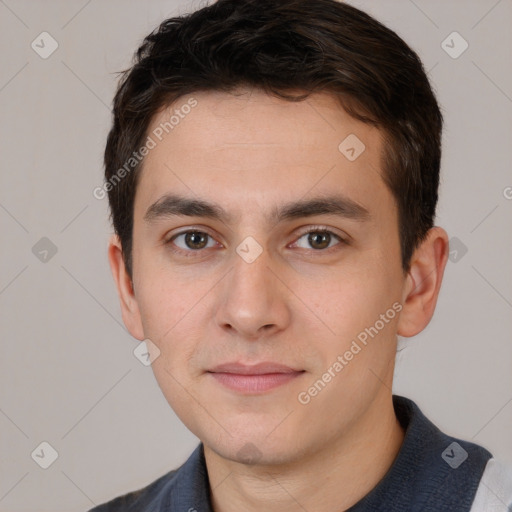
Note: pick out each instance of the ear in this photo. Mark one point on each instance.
(423, 282)
(129, 305)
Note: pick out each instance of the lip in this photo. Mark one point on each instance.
(253, 379)
(254, 369)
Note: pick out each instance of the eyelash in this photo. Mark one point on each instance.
(315, 229)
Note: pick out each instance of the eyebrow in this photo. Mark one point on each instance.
(175, 205)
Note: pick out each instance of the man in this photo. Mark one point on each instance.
(272, 173)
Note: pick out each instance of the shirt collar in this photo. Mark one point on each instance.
(427, 474)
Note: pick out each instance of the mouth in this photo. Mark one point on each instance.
(254, 379)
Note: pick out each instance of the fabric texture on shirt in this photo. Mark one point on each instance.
(432, 472)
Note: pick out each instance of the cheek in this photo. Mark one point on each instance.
(164, 301)
(349, 299)
(349, 305)
(173, 317)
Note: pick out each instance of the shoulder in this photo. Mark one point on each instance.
(179, 489)
(494, 493)
(153, 495)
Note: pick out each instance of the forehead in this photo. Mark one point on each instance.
(256, 147)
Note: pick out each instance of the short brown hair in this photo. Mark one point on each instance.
(278, 47)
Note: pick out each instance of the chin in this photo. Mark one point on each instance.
(260, 449)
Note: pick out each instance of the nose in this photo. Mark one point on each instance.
(254, 301)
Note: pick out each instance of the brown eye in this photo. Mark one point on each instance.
(196, 240)
(318, 239)
(190, 241)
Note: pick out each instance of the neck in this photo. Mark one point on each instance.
(334, 478)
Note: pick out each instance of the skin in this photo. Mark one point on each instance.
(296, 304)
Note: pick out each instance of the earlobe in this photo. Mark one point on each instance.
(129, 306)
(423, 282)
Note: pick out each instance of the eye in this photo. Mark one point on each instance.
(318, 239)
(191, 241)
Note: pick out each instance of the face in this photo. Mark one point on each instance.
(291, 257)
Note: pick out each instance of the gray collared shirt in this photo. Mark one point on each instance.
(432, 472)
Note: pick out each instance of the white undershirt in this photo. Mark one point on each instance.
(494, 493)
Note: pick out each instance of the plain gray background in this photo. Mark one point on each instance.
(68, 374)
